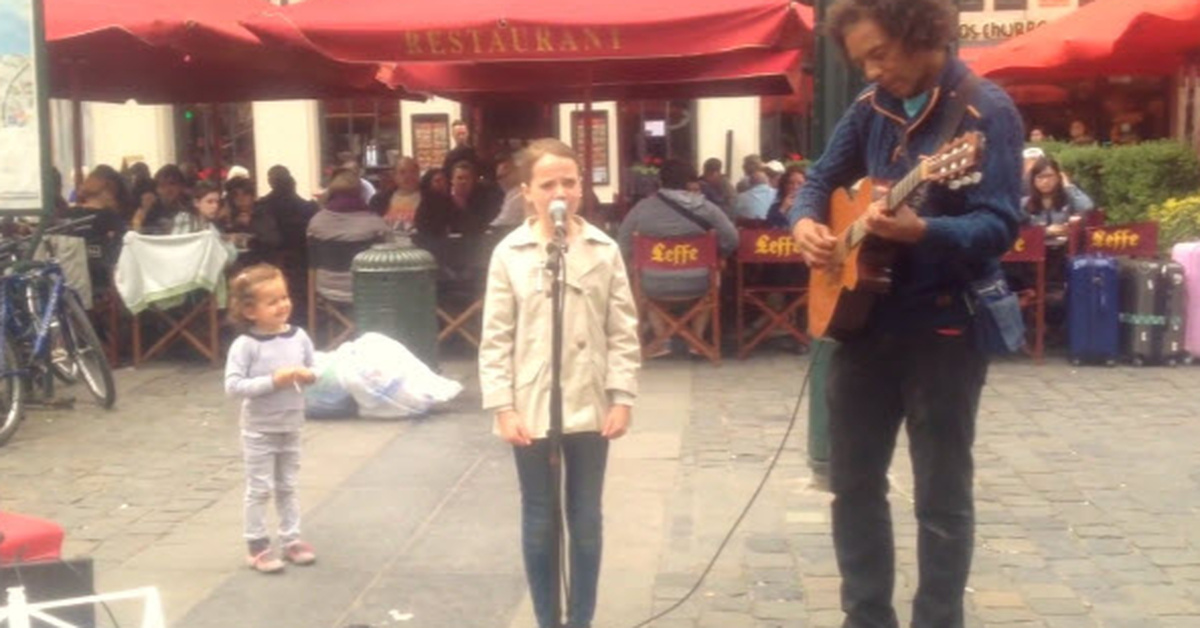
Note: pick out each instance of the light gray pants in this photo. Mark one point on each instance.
(272, 466)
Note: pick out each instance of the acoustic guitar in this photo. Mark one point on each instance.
(841, 295)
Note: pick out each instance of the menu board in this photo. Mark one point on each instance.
(22, 149)
(599, 127)
(431, 139)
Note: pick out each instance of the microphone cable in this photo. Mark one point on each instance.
(817, 353)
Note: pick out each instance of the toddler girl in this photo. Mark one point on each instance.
(267, 365)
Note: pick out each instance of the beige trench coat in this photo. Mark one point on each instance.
(601, 351)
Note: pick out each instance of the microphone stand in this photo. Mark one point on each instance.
(556, 264)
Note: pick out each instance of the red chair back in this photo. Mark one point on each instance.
(688, 253)
(767, 246)
(1030, 246)
(1135, 239)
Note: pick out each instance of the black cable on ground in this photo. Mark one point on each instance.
(753, 498)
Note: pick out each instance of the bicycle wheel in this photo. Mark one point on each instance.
(85, 349)
(12, 394)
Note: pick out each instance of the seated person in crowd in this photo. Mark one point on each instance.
(750, 165)
(755, 202)
(279, 231)
(477, 200)
(437, 180)
(1080, 136)
(238, 211)
(716, 187)
(117, 184)
(1053, 201)
(512, 209)
(172, 205)
(675, 212)
(789, 185)
(403, 199)
(206, 210)
(346, 218)
(104, 233)
(144, 198)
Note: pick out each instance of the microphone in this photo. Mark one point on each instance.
(558, 213)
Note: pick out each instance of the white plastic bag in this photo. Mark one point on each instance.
(326, 397)
(388, 381)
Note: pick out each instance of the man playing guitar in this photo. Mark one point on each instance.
(913, 361)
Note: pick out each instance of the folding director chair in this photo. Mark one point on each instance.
(678, 254)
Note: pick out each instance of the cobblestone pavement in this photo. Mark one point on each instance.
(1086, 494)
(1086, 491)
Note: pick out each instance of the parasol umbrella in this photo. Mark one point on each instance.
(615, 42)
(1104, 38)
(530, 30)
(735, 73)
(163, 51)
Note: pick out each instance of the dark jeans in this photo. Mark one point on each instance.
(931, 383)
(584, 458)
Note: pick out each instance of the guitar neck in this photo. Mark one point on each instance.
(904, 189)
(896, 196)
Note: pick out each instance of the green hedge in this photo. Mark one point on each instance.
(1178, 221)
(1128, 180)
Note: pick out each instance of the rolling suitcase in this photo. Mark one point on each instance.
(1174, 304)
(1140, 317)
(1152, 312)
(1187, 255)
(1092, 323)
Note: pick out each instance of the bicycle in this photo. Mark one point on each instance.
(46, 333)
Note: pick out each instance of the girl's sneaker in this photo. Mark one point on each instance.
(299, 553)
(264, 562)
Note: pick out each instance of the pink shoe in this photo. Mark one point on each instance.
(264, 562)
(299, 553)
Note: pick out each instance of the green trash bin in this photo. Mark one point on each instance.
(818, 411)
(395, 294)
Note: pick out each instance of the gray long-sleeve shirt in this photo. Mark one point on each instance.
(253, 359)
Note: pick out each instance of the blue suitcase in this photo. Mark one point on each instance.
(1093, 328)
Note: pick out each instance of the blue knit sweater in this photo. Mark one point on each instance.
(968, 230)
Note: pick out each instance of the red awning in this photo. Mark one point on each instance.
(1104, 38)
(741, 72)
(168, 51)
(532, 30)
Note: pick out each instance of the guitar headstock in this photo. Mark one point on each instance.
(956, 163)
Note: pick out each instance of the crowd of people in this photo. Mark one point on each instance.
(455, 202)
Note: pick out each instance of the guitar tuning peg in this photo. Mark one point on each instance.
(955, 184)
(976, 177)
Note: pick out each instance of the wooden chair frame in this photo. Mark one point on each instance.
(458, 323)
(1030, 248)
(180, 329)
(334, 256)
(333, 316)
(750, 252)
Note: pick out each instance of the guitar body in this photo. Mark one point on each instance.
(840, 296)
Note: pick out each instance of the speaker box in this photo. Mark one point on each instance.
(53, 580)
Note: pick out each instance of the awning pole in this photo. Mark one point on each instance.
(76, 126)
(587, 146)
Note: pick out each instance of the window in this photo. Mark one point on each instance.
(970, 5)
(365, 131)
(213, 137)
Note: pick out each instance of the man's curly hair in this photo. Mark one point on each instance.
(917, 24)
